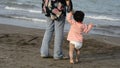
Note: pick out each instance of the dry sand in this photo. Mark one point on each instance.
(19, 48)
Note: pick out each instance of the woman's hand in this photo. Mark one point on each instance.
(55, 11)
(44, 9)
(69, 5)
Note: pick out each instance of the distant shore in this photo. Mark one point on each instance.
(19, 48)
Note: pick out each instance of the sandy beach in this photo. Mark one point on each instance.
(19, 48)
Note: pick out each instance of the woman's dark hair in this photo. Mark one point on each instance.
(78, 16)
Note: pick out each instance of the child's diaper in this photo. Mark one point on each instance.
(78, 45)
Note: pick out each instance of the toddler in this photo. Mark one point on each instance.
(75, 35)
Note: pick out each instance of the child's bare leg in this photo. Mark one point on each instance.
(71, 50)
(77, 55)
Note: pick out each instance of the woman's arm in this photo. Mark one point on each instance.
(69, 5)
(44, 5)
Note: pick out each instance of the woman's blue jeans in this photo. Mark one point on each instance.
(58, 28)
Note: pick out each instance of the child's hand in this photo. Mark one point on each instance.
(91, 25)
(71, 12)
(89, 28)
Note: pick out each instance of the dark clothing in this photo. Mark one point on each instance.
(55, 24)
(54, 4)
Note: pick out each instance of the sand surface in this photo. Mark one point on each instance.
(19, 48)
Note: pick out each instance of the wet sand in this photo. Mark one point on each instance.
(19, 48)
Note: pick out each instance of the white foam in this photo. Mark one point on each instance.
(103, 18)
(32, 19)
(35, 11)
(17, 3)
(12, 8)
(21, 9)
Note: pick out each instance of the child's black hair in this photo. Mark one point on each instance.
(78, 16)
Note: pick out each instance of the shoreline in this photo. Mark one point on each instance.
(19, 48)
(25, 30)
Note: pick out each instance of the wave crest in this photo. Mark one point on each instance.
(103, 18)
(21, 9)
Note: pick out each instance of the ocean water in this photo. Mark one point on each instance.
(104, 14)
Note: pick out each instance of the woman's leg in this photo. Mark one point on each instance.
(58, 41)
(47, 38)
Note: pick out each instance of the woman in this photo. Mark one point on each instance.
(55, 11)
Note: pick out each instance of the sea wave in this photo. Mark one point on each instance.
(103, 18)
(24, 18)
(31, 19)
(102, 31)
(20, 4)
(21, 9)
(109, 27)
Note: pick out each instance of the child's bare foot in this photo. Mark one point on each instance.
(71, 62)
(77, 60)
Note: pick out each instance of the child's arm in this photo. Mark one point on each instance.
(69, 17)
(88, 28)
